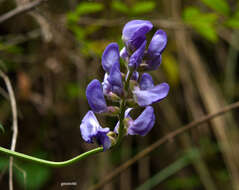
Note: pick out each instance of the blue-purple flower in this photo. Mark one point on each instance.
(146, 93)
(110, 57)
(91, 130)
(115, 80)
(136, 58)
(95, 96)
(134, 33)
(142, 124)
(155, 49)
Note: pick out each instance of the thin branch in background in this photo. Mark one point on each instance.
(15, 124)
(24, 173)
(20, 10)
(161, 141)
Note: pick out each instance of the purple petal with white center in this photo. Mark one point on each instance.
(146, 82)
(106, 85)
(110, 56)
(126, 115)
(135, 75)
(154, 62)
(123, 53)
(157, 44)
(144, 123)
(91, 129)
(152, 95)
(134, 32)
(115, 79)
(136, 58)
(95, 96)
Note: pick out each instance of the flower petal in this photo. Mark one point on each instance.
(106, 85)
(146, 82)
(123, 53)
(144, 123)
(153, 62)
(155, 94)
(158, 43)
(136, 58)
(134, 33)
(110, 56)
(95, 96)
(91, 129)
(115, 79)
(126, 115)
(135, 76)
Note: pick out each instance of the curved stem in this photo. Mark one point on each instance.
(47, 162)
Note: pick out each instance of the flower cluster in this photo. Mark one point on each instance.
(126, 84)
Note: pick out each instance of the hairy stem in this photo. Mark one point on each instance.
(122, 109)
(47, 162)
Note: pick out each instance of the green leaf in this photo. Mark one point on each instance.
(120, 7)
(171, 68)
(36, 175)
(75, 91)
(203, 23)
(72, 17)
(88, 7)
(233, 23)
(3, 163)
(143, 7)
(189, 182)
(221, 6)
(207, 30)
(2, 128)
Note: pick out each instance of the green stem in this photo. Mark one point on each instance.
(121, 131)
(50, 163)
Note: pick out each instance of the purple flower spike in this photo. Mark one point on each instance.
(136, 58)
(144, 123)
(110, 56)
(158, 43)
(146, 82)
(115, 79)
(91, 129)
(147, 93)
(134, 33)
(95, 96)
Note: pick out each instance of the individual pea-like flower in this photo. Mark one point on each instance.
(136, 58)
(146, 93)
(115, 80)
(110, 57)
(155, 49)
(91, 130)
(141, 125)
(134, 33)
(95, 96)
(134, 76)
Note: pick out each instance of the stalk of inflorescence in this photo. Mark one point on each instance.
(47, 162)
(123, 107)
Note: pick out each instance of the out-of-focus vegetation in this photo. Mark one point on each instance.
(51, 53)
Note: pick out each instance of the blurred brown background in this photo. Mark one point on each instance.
(52, 52)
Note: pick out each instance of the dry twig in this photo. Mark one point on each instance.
(161, 141)
(15, 123)
(20, 10)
